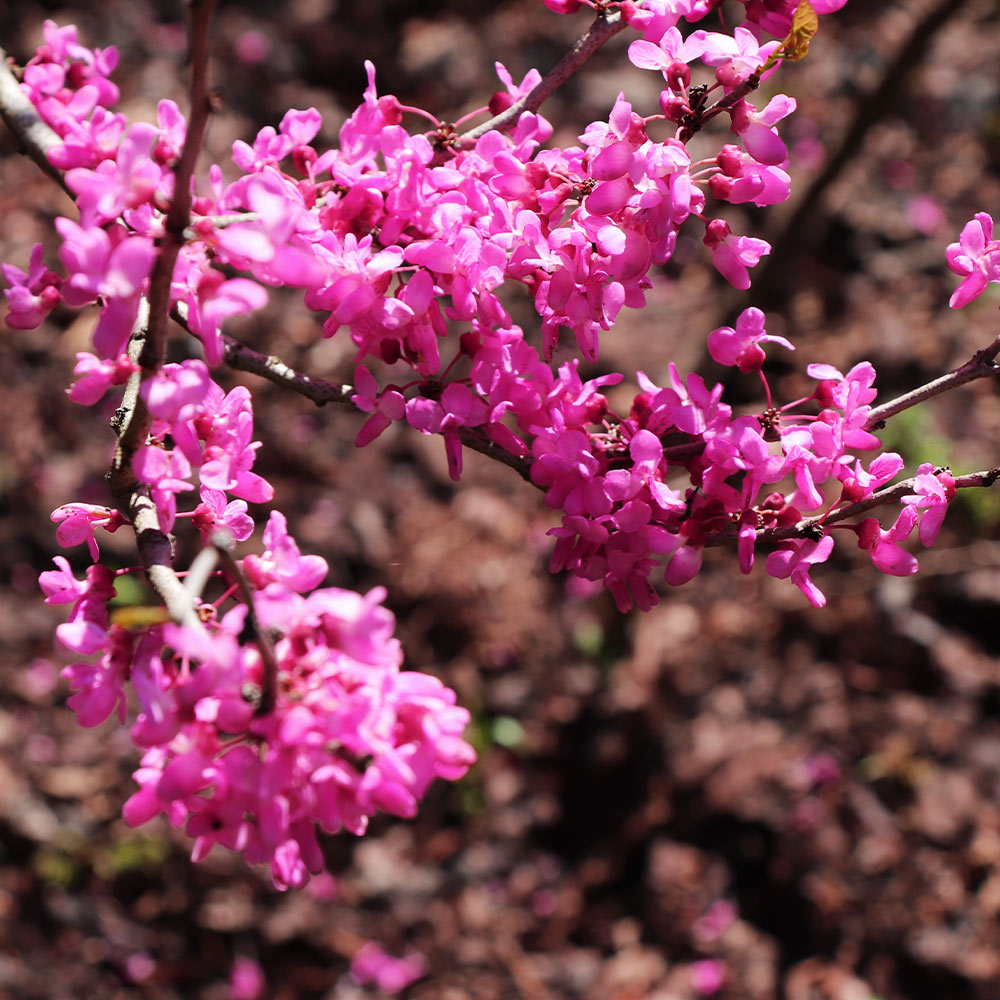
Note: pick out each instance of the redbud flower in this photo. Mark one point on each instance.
(976, 255)
(794, 560)
(373, 965)
(741, 347)
(933, 491)
(246, 979)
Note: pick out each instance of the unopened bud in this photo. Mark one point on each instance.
(730, 160)
(678, 75)
(500, 102)
(304, 157)
(674, 107)
(390, 109)
(388, 350)
(824, 392)
(716, 232)
(720, 186)
(728, 75)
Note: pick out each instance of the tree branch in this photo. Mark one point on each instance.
(272, 368)
(320, 391)
(604, 27)
(33, 135)
(980, 365)
(890, 494)
(147, 347)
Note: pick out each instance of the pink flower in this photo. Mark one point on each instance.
(97, 375)
(741, 347)
(373, 965)
(708, 976)
(794, 559)
(387, 405)
(756, 129)
(214, 513)
(101, 686)
(736, 57)
(883, 544)
(168, 473)
(116, 269)
(976, 255)
(78, 522)
(732, 255)
(282, 562)
(246, 979)
(933, 491)
(32, 296)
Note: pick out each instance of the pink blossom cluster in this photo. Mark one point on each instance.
(349, 732)
(398, 236)
(345, 733)
(404, 239)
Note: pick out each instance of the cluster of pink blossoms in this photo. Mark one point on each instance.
(403, 239)
(349, 733)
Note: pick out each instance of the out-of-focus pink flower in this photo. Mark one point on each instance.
(246, 979)
(708, 976)
(372, 965)
(31, 296)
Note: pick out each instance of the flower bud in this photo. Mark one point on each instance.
(720, 186)
(678, 75)
(729, 75)
(716, 232)
(500, 102)
(730, 160)
(672, 106)
(390, 108)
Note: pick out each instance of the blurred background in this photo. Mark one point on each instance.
(733, 795)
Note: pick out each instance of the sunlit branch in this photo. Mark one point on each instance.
(604, 27)
(147, 348)
(980, 365)
(33, 135)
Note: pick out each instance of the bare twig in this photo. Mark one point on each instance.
(605, 26)
(272, 368)
(980, 365)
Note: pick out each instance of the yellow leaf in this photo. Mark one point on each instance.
(805, 24)
(137, 616)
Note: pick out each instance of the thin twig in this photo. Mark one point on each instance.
(604, 27)
(890, 494)
(252, 632)
(320, 391)
(272, 368)
(980, 365)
